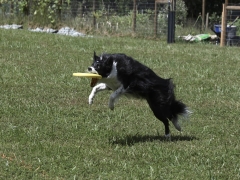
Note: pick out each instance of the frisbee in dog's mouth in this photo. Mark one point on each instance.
(95, 77)
(89, 75)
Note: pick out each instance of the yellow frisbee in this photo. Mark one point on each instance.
(89, 75)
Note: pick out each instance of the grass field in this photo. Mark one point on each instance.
(48, 130)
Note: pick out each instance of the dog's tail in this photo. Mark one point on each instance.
(179, 108)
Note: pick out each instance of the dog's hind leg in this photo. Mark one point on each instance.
(160, 114)
(115, 95)
(166, 124)
(165, 121)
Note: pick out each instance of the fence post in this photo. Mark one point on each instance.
(223, 27)
(134, 15)
(207, 17)
(11, 8)
(203, 14)
(171, 21)
(174, 18)
(94, 15)
(155, 20)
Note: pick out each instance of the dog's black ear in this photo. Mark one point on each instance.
(94, 56)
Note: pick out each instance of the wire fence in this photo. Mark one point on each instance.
(233, 25)
(95, 17)
(228, 27)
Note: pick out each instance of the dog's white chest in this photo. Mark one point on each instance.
(111, 81)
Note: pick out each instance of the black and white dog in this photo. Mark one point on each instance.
(124, 75)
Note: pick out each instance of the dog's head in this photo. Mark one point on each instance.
(101, 65)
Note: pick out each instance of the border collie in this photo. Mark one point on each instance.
(124, 75)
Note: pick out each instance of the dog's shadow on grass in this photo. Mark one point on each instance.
(130, 140)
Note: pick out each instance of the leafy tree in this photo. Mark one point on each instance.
(195, 6)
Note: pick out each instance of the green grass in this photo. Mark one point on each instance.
(48, 130)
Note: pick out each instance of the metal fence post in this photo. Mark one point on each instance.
(171, 21)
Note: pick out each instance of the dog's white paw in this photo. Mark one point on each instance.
(90, 100)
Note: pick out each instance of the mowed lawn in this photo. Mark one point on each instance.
(48, 130)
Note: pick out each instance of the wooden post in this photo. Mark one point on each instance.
(203, 13)
(233, 7)
(174, 19)
(207, 17)
(226, 3)
(11, 8)
(155, 20)
(134, 15)
(223, 27)
(94, 16)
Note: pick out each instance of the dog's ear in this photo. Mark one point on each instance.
(94, 56)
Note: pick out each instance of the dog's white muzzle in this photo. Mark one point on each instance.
(92, 70)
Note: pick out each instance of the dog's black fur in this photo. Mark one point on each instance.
(124, 75)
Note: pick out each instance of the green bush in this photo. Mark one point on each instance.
(237, 24)
(181, 12)
(214, 19)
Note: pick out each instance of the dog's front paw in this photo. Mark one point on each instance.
(90, 100)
